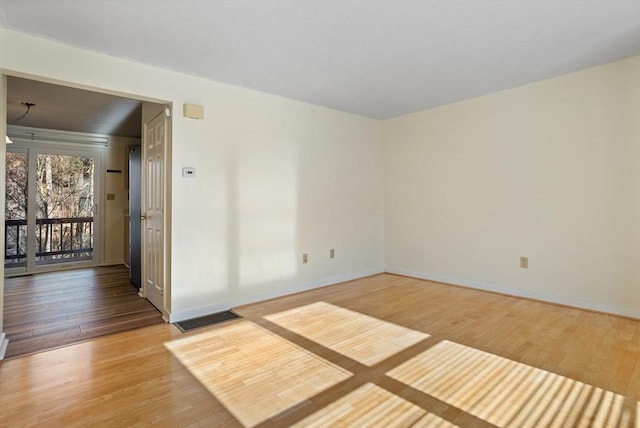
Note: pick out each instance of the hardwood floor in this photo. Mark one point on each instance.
(380, 351)
(49, 310)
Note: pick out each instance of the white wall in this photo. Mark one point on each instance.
(275, 178)
(550, 170)
(117, 158)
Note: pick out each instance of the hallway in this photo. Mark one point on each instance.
(50, 310)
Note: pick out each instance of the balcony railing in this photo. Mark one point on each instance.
(57, 240)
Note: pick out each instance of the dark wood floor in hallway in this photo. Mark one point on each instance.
(50, 310)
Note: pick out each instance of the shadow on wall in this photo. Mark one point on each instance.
(261, 215)
(263, 196)
(279, 184)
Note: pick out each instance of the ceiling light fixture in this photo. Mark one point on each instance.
(28, 105)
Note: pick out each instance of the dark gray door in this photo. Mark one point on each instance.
(135, 157)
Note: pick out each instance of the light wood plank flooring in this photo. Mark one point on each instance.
(49, 310)
(380, 351)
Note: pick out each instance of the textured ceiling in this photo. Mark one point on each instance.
(70, 109)
(374, 58)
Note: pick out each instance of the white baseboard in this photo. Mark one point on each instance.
(545, 297)
(112, 262)
(186, 314)
(4, 342)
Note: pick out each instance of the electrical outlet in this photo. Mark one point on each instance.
(332, 253)
(305, 258)
(524, 262)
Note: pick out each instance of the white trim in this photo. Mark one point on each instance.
(177, 316)
(21, 271)
(516, 292)
(4, 343)
(113, 262)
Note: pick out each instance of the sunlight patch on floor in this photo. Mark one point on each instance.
(260, 376)
(507, 393)
(372, 406)
(360, 337)
(253, 372)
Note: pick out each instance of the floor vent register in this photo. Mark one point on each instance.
(205, 321)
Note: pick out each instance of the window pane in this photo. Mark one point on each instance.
(64, 204)
(16, 210)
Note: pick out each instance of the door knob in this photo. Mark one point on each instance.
(143, 217)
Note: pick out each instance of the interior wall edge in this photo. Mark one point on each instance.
(3, 151)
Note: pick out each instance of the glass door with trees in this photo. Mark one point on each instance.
(51, 208)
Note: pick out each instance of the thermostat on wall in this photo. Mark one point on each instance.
(188, 171)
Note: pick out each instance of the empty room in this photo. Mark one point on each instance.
(351, 214)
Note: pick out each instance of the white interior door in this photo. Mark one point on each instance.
(153, 207)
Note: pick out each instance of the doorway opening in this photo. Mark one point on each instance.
(67, 214)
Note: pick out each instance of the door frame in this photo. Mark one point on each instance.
(4, 342)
